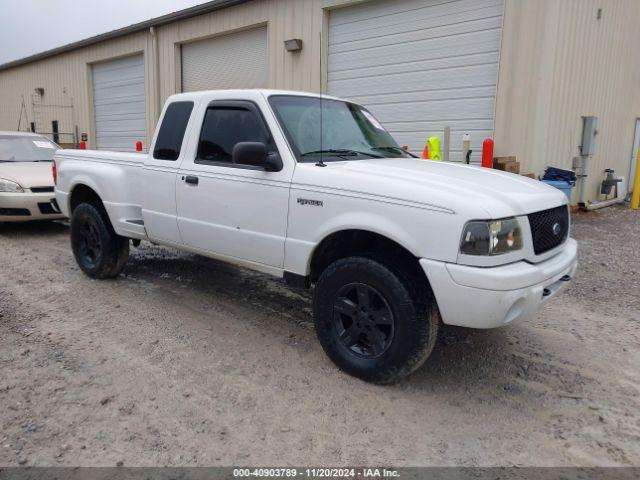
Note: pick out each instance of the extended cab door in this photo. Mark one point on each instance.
(231, 210)
(160, 173)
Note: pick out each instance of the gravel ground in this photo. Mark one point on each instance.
(187, 361)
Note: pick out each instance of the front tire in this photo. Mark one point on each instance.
(98, 250)
(374, 323)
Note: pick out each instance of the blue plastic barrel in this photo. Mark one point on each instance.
(563, 185)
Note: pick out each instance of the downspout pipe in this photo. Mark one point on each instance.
(621, 198)
(605, 203)
(584, 173)
(155, 52)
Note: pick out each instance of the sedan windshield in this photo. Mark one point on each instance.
(349, 131)
(15, 148)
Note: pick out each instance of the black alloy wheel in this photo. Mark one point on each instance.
(375, 318)
(99, 251)
(363, 320)
(89, 244)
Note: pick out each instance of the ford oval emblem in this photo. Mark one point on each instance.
(556, 228)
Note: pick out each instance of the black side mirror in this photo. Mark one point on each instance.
(255, 154)
(250, 153)
(273, 163)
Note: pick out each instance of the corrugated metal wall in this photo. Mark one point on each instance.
(236, 60)
(70, 72)
(285, 19)
(67, 77)
(420, 66)
(120, 103)
(559, 62)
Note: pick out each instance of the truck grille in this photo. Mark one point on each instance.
(549, 228)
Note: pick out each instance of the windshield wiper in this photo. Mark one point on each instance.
(341, 152)
(395, 149)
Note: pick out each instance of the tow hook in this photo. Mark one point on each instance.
(546, 292)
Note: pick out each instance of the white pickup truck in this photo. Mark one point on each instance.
(313, 189)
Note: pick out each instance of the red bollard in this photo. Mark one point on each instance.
(138, 146)
(487, 153)
(83, 145)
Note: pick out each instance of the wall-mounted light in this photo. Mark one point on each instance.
(39, 91)
(293, 45)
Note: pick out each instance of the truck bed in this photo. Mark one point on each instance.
(117, 178)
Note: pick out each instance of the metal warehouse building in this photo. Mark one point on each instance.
(525, 72)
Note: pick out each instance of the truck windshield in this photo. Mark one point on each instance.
(349, 131)
(14, 148)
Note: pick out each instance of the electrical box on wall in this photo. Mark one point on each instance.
(589, 132)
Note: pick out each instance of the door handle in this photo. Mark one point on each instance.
(191, 179)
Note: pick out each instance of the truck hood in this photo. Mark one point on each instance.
(28, 174)
(480, 192)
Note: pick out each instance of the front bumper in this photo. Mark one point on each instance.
(22, 207)
(477, 297)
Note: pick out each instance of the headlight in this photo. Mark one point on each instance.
(9, 186)
(491, 238)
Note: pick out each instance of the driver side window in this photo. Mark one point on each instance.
(224, 127)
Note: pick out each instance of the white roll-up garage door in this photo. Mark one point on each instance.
(237, 60)
(119, 104)
(420, 65)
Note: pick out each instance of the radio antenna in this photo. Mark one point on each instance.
(321, 162)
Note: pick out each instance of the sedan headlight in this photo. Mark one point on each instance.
(493, 237)
(8, 186)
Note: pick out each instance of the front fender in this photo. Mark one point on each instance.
(424, 233)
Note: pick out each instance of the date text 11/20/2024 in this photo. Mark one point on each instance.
(316, 472)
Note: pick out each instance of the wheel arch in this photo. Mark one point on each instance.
(367, 243)
(81, 192)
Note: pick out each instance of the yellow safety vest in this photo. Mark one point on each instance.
(433, 144)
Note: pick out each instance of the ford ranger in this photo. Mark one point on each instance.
(314, 190)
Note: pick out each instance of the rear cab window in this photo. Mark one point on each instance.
(172, 130)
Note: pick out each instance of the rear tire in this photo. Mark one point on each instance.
(98, 250)
(375, 322)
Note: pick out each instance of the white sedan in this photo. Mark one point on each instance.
(26, 180)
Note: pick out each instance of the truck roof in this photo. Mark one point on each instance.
(263, 91)
(19, 134)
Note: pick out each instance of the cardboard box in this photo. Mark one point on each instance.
(512, 167)
(500, 163)
(504, 159)
(506, 164)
